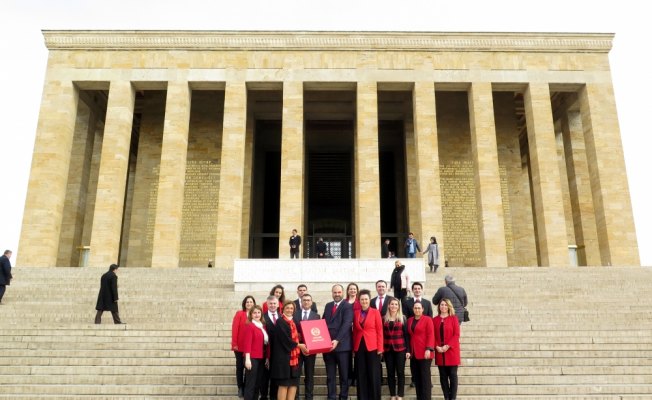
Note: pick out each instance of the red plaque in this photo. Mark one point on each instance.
(315, 334)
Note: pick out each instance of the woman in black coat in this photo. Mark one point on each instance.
(284, 361)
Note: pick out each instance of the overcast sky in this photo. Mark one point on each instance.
(23, 60)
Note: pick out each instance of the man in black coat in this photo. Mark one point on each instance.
(321, 249)
(301, 290)
(107, 299)
(339, 319)
(306, 362)
(5, 273)
(417, 292)
(381, 301)
(295, 244)
(268, 386)
(456, 294)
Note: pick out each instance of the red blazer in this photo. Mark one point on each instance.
(422, 337)
(451, 338)
(237, 330)
(253, 342)
(372, 330)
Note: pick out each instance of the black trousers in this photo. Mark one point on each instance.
(253, 378)
(337, 360)
(307, 365)
(422, 382)
(448, 381)
(267, 386)
(2, 291)
(115, 314)
(294, 253)
(395, 363)
(239, 369)
(368, 367)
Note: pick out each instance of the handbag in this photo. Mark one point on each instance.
(465, 317)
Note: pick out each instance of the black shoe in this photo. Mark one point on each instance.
(411, 384)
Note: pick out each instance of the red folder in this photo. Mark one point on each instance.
(316, 337)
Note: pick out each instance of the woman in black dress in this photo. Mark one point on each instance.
(284, 362)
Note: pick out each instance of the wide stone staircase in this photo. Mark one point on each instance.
(536, 333)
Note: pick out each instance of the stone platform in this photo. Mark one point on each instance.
(255, 275)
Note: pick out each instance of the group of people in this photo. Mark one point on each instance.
(271, 353)
(411, 248)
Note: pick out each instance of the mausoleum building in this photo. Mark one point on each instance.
(173, 148)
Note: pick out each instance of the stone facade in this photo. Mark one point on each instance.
(168, 149)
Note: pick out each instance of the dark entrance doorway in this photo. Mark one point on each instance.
(329, 187)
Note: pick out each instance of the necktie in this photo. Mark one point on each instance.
(380, 303)
(334, 308)
(305, 315)
(417, 300)
(274, 318)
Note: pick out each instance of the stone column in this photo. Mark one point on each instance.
(114, 163)
(427, 168)
(248, 190)
(546, 184)
(229, 214)
(292, 167)
(172, 176)
(367, 180)
(488, 194)
(46, 190)
(604, 153)
(579, 186)
(72, 222)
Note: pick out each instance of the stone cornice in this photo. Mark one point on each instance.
(320, 41)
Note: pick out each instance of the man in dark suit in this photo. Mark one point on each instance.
(339, 319)
(5, 272)
(295, 244)
(408, 311)
(107, 299)
(417, 291)
(306, 362)
(301, 290)
(381, 301)
(272, 315)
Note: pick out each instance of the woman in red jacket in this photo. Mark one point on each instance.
(367, 347)
(447, 350)
(237, 337)
(256, 351)
(422, 342)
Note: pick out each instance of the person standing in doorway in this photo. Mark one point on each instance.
(412, 246)
(107, 299)
(295, 244)
(385, 252)
(321, 249)
(5, 273)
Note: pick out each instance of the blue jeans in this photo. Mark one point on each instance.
(412, 255)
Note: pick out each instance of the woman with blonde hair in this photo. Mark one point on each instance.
(397, 344)
(447, 347)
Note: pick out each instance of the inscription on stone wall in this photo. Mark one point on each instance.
(460, 213)
(507, 210)
(199, 220)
